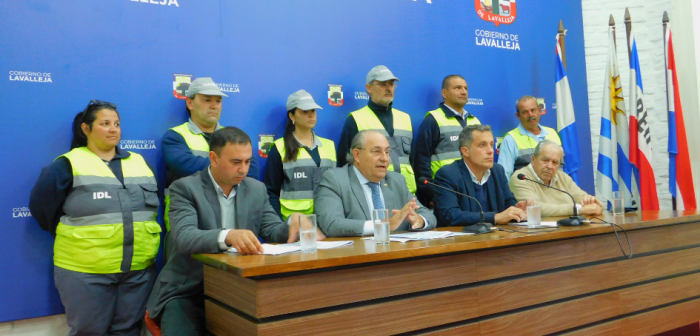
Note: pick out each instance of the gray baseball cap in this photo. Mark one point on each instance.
(380, 73)
(302, 100)
(205, 86)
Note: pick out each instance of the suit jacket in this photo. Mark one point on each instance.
(341, 206)
(195, 223)
(455, 210)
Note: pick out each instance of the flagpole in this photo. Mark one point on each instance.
(628, 25)
(562, 34)
(664, 21)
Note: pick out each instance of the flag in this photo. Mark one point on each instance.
(640, 136)
(614, 172)
(566, 120)
(680, 174)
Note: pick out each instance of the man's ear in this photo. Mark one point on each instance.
(465, 151)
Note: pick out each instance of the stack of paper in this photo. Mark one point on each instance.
(277, 249)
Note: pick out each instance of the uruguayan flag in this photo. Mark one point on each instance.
(614, 171)
(566, 120)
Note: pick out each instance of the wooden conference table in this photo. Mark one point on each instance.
(572, 281)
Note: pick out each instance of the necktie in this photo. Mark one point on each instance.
(376, 198)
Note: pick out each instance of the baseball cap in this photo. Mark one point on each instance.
(380, 73)
(302, 100)
(205, 86)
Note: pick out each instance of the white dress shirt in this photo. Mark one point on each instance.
(369, 225)
(228, 211)
(484, 178)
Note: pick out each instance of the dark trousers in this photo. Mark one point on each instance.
(104, 304)
(184, 316)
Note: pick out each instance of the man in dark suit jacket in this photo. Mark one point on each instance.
(210, 211)
(477, 176)
(347, 195)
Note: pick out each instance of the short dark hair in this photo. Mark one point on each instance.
(446, 81)
(225, 136)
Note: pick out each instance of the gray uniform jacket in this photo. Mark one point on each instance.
(341, 206)
(195, 223)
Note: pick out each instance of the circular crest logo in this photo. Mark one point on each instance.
(496, 11)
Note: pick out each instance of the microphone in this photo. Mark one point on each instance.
(574, 220)
(481, 227)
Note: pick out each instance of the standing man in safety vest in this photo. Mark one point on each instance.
(437, 143)
(519, 144)
(380, 116)
(186, 147)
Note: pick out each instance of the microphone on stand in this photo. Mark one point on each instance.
(481, 227)
(574, 220)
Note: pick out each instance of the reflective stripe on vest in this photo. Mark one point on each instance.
(199, 147)
(400, 143)
(302, 177)
(526, 145)
(108, 227)
(447, 150)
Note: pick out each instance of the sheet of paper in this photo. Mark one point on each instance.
(543, 224)
(271, 249)
(324, 245)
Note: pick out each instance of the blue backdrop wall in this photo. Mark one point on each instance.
(57, 55)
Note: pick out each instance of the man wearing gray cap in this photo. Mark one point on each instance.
(186, 147)
(380, 116)
(296, 162)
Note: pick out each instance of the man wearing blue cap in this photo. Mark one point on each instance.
(379, 115)
(186, 147)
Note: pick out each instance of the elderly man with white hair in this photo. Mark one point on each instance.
(544, 167)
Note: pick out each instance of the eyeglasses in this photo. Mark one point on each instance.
(97, 103)
(378, 152)
(388, 84)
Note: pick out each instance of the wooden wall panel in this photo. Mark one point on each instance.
(661, 320)
(659, 293)
(553, 318)
(465, 330)
(503, 296)
(305, 292)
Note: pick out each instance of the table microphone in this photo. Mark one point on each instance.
(574, 220)
(481, 227)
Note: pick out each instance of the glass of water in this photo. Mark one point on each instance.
(618, 203)
(380, 218)
(307, 233)
(534, 216)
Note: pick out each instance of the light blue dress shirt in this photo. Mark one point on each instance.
(508, 152)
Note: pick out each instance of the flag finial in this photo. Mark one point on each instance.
(611, 23)
(665, 19)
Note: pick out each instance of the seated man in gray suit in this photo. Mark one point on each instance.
(210, 211)
(347, 195)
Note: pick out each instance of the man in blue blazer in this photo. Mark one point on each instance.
(477, 176)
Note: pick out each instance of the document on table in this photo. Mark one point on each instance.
(277, 249)
(542, 224)
(424, 235)
(324, 245)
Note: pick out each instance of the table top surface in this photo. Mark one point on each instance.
(366, 251)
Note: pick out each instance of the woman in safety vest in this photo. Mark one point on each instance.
(100, 203)
(296, 161)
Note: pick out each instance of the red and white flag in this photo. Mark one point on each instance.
(640, 136)
(680, 173)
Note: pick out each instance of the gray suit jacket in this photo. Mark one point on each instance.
(341, 206)
(195, 223)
